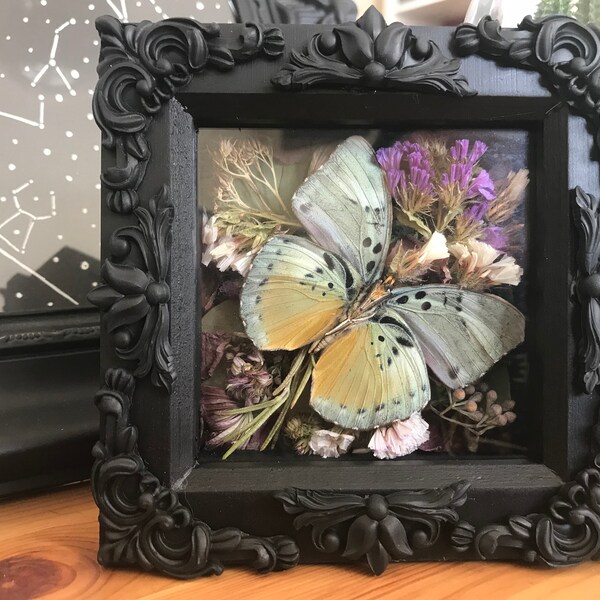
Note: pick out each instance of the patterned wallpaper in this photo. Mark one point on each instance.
(50, 156)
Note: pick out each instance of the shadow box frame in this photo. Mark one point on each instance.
(162, 505)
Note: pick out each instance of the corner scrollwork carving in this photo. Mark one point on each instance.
(376, 527)
(567, 534)
(141, 67)
(135, 300)
(144, 524)
(564, 51)
(373, 55)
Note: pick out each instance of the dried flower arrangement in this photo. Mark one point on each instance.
(351, 248)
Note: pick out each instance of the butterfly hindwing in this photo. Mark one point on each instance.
(346, 207)
(372, 374)
(294, 294)
(462, 333)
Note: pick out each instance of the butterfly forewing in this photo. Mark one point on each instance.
(462, 333)
(294, 294)
(346, 207)
(372, 374)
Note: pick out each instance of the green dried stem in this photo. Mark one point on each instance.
(284, 398)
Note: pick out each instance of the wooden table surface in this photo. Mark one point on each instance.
(48, 550)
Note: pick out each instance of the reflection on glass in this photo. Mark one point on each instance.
(50, 159)
(363, 291)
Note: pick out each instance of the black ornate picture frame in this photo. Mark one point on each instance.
(162, 506)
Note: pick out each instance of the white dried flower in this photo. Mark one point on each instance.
(400, 437)
(223, 249)
(330, 444)
(435, 249)
(481, 265)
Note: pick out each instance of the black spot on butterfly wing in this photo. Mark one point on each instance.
(420, 295)
(309, 275)
(330, 285)
(380, 407)
(328, 261)
(394, 351)
(319, 271)
(270, 267)
(367, 242)
(381, 338)
(426, 306)
(453, 372)
(263, 282)
(377, 248)
(404, 342)
(389, 361)
(402, 300)
(370, 266)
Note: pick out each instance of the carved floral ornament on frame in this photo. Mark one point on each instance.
(402, 254)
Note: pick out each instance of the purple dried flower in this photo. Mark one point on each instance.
(496, 237)
(460, 151)
(482, 185)
(477, 211)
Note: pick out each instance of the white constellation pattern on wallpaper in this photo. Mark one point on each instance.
(48, 51)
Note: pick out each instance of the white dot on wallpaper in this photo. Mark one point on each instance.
(97, 186)
(15, 141)
(50, 304)
(68, 178)
(69, 134)
(84, 211)
(59, 236)
(30, 50)
(47, 21)
(58, 97)
(86, 60)
(218, 6)
(2, 76)
(90, 117)
(18, 295)
(25, 20)
(93, 225)
(73, 92)
(55, 259)
(73, 156)
(85, 265)
(200, 5)
(158, 9)
(73, 21)
(91, 6)
(94, 284)
(74, 74)
(138, 4)
(47, 151)
(27, 69)
(36, 198)
(96, 147)
(43, 2)
(95, 42)
(52, 62)
(8, 38)
(17, 232)
(2, 198)
(41, 97)
(87, 22)
(91, 92)
(12, 167)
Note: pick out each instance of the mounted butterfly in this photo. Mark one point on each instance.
(347, 293)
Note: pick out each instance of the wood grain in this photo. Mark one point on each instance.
(48, 550)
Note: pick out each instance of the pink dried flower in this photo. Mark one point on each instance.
(214, 346)
(221, 426)
(400, 437)
(330, 444)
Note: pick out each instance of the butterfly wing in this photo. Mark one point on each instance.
(371, 375)
(346, 207)
(462, 333)
(294, 294)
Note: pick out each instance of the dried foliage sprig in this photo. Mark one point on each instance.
(476, 410)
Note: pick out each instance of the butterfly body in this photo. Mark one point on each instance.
(374, 341)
